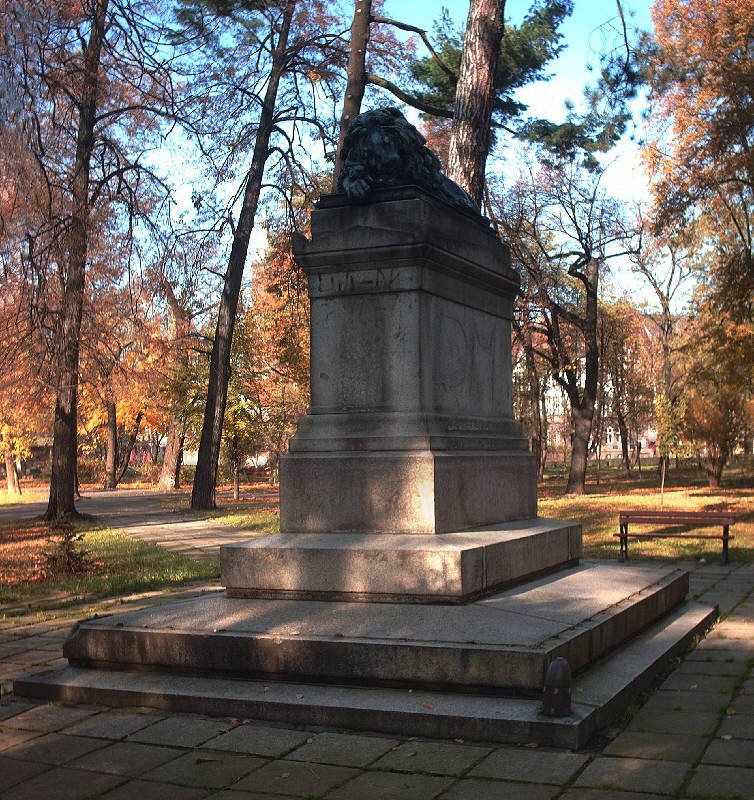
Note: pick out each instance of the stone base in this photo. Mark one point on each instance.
(502, 643)
(600, 695)
(448, 568)
(415, 492)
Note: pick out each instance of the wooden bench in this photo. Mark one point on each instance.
(691, 519)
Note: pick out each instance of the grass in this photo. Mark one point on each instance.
(688, 491)
(117, 564)
(30, 495)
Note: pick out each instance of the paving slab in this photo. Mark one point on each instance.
(692, 667)
(13, 707)
(478, 789)
(63, 783)
(10, 737)
(113, 724)
(435, 758)
(48, 717)
(739, 726)
(634, 774)
(690, 683)
(607, 794)
(149, 790)
(212, 770)
(715, 781)
(231, 794)
(52, 748)
(658, 746)
(730, 752)
(743, 704)
(530, 765)
(13, 771)
(390, 786)
(344, 749)
(689, 701)
(258, 740)
(130, 759)
(185, 731)
(695, 723)
(296, 778)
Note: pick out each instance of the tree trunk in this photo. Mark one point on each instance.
(623, 430)
(355, 76)
(714, 463)
(535, 399)
(582, 410)
(111, 457)
(582, 429)
(64, 444)
(11, 476)
(205, 478)
(126, 457)
(236, 481)
(170, 460)
(179, 461)
(475, 94)
(545, 432)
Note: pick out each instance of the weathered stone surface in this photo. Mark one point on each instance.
(611, 684)
(454, 567)
(410, 427)
(503, 642)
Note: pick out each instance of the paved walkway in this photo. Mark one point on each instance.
(161, 517)
(693, 737)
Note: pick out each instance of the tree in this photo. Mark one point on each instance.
(666, 266)
(701, 69)
(627, 357)
(719, 380)
(475, 94)
(563, 231)
(205, 478)
(83, 82)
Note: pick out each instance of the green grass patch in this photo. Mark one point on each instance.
(32, 495)
(249, 519)
(598, 514)
(116, 564)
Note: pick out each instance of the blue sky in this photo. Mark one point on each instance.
(592, 23)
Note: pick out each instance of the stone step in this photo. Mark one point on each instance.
(389, 567)
(500, 643)
(600, 695)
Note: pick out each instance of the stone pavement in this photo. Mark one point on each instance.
(692, 737)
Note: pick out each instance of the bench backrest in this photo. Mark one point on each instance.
(679, 517)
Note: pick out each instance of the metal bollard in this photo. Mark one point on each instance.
(556, 695)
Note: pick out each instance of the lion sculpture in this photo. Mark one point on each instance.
(383, 149)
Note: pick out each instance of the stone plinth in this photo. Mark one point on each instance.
(410, 428)
(402, 568)
(501, 643)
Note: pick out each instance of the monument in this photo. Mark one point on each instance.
(412, 588)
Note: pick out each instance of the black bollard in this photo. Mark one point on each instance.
(556, 696)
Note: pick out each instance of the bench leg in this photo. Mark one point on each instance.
(623, 542)
(725, 544)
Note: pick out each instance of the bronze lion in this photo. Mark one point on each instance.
(383, 149)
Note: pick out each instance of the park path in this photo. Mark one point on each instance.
(161, 517)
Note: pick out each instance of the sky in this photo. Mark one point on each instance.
(593, 25)
(586, 31)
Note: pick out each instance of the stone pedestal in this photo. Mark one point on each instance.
(410, 428)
